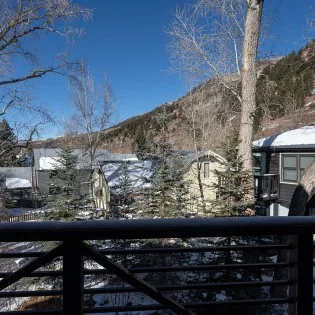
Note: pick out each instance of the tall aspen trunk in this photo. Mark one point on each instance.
(199, 166)
(249, 78)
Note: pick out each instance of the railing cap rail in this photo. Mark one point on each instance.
(155, 228)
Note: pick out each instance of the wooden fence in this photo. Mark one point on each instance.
(20, 218)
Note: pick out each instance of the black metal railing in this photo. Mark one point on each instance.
(187, 266)
(267, 187)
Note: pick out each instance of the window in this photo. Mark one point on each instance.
(293, 166)
(206, 170)
(289, 168)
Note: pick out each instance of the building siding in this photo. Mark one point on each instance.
(274, 163)
(17, 172)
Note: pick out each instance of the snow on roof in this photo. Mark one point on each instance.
(304, 136)
(15, 183)
(140, 173)
(45, 158)
(48, 163)
(190, 156)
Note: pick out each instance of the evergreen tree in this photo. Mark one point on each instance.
(4, 195)
(169, 191)
(122, 193)
(65, 189)
(142, 145)
(8, 149)
(179, 186)
(230, 193)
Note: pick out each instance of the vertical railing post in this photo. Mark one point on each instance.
(73, 279)
(269, 187)
(301, 274)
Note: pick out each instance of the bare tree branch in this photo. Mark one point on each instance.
(23, 22)
(93, 109)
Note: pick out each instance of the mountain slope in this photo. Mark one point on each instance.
(209, 112)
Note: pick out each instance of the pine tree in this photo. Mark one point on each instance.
(142, 145)
(4, 195)
(122, 193)
(230, 193)
(169, 191)
(179, 186)
(8, 149)
(66, 183)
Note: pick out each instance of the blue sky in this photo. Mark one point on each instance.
(126, 40)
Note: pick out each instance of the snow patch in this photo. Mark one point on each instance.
(14, 183)
(49, 163)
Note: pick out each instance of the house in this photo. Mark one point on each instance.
(108, 178)
(202, 166)
(45, 161)
(116, 177)
(18, 182)
(35, 176)
(280, 160)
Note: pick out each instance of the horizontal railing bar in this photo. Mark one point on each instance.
(36, 274)
(30, 293)
(157, 250)
(21, 254)
(51, 312)
(240, 302)
(142, 251)
(58, 273)
(185, 287)
(131, 308)
(156, 228)
(193, 268)
(151, 307)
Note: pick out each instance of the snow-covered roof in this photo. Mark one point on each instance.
(190, 156)
(41, 156)
(140, 173)
(48, 163)
(303, 137)
(16, 183)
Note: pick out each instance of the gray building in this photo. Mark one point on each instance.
(44, 161)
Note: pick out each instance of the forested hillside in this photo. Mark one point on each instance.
(208, 113)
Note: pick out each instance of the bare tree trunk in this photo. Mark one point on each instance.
(249, 78)
(199, 164)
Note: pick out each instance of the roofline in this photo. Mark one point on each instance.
(214, 154)
(300, 148)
